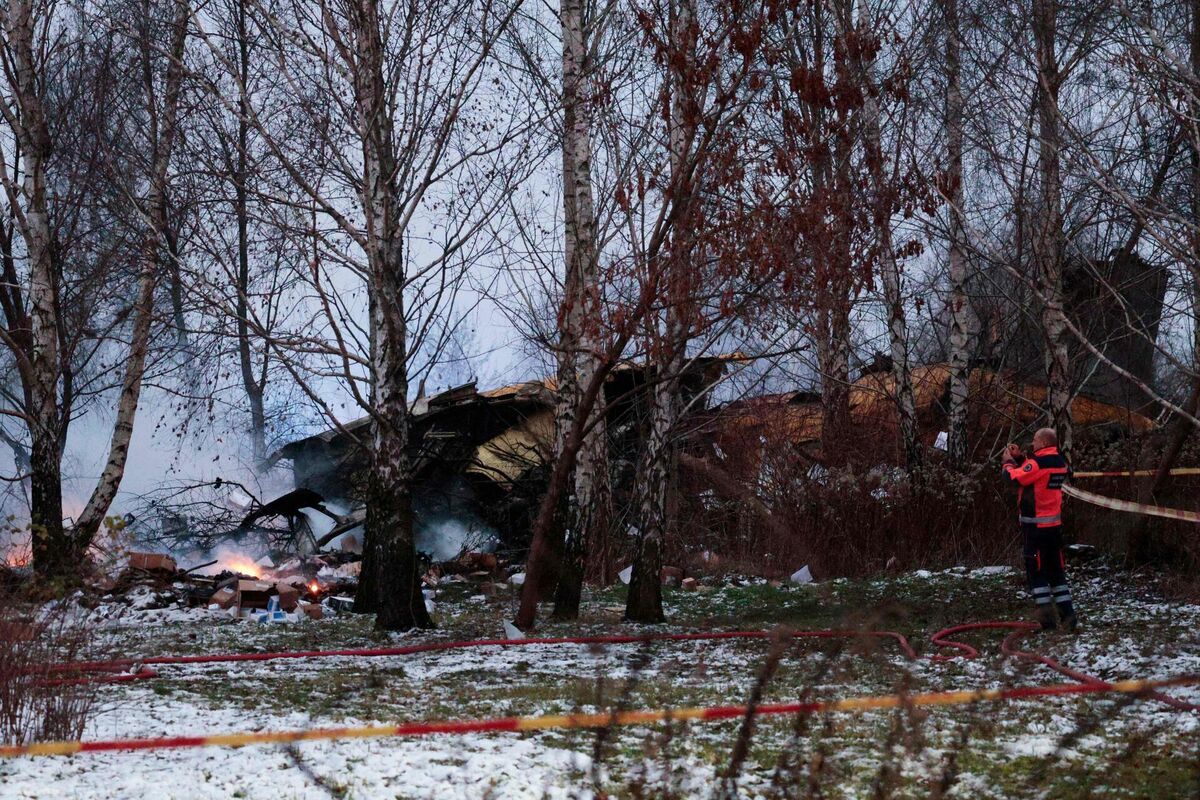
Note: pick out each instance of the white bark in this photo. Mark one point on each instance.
(41, 368)
(579, 325)
(961, 316)
(389, 510)
(889, 268)
(656, 470)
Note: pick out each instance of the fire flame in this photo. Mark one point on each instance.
(314, 587)
(243, 565)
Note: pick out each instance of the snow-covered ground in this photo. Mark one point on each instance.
(1064, 747)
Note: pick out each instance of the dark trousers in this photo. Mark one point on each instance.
(1045, 567)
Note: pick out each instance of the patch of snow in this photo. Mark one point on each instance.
(472, 767)
(998, 569)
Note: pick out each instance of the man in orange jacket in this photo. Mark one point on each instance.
(1040, 479)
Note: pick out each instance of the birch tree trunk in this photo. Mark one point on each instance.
(400, 604)
(579, 320)
(833, 361)
(656, 470)
(889, 268)
(644, 601)
(157, 252)
(1048, 240)
(833, 315)
(961, 322)
(52, 553)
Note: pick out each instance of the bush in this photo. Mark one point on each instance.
(38, 703)
(855, 523)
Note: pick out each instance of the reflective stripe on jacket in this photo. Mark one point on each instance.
(1040, 478)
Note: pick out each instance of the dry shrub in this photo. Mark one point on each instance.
(850, 520)
(36, 703)
(765, 507)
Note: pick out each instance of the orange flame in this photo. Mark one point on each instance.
(314, 587)
(243, 565)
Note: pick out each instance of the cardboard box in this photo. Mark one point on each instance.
(253, 594)
(312, 610)
(152, 562)
(289, 595)
(224, 598)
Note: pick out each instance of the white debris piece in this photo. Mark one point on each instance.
(240, 501)
(265, 561)
(942, 442)
(273, 613)
(518, 579)
(802, 575)
(626, 575)
(512, 631)
(430, 606)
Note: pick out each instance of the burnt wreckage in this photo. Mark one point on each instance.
(479, 460)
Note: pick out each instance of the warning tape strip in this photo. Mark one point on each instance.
(559, 721)
(1136, 473)
(1130, 506)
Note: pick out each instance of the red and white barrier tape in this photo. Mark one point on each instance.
(1136, 473)
(1130, 506)
(603, 720)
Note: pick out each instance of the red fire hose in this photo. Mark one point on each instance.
(130, 669)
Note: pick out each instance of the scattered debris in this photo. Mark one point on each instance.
(802, 575)
(340, 605)
(273, 613)
(153, 562)
(671, 576)
(240, 585)
(312, 610)
(253, 594)
(223, 598)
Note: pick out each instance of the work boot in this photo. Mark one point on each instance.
(1045, 617)
(1070, 623)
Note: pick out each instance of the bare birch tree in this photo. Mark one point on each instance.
(36, 321)
(957, 444)
(391, 98)
(587, 506)
(866, 33)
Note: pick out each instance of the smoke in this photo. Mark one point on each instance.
(446, 521)
(446, 537)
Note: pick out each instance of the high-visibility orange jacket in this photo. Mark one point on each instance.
(1040, 478)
